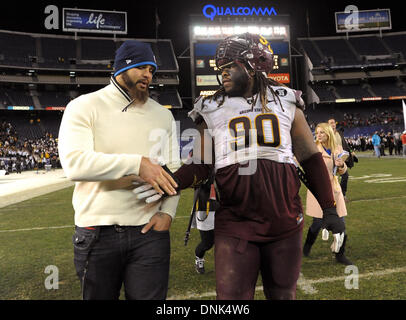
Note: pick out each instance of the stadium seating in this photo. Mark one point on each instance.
(67, 52)
(17, 49)
(336, 52)
(396, 43)
(57, 52)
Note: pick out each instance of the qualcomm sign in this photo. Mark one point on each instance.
(211, 11)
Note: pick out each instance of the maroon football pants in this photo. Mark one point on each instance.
(238, 263)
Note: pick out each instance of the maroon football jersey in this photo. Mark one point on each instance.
(262, 206)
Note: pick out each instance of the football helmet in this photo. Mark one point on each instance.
(251, 49)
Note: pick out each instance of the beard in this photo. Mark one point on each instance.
(139, 95)
(239, 80)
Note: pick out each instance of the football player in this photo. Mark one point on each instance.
(256, 127)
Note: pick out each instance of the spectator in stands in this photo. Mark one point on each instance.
(25, 150)
(326, 144)
(376, 142)
(105, 146)
(404, 143)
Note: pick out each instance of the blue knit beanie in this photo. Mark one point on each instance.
(131, 54)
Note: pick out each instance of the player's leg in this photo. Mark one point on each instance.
(206, 243)
(237, 265)
(280, 267)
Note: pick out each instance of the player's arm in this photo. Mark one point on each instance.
(190, 174)
(199, 168)
(311, 160)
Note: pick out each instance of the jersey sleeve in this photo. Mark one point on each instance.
(292, 96)
(195, 114)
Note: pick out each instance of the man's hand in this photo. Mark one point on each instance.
(151, 194)
(160, 221)
(155, 175)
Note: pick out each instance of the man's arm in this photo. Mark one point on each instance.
(171, 153)
(82, 163)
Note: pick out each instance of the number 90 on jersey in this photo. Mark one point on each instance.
(267, 130)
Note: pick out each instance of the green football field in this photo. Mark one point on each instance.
(36, 248)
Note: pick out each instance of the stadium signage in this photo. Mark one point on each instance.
(20, 108)
(397, 97)
(280, 77)
(354, 20)
(100, 21)
(345, 100)
(210, 11)
(55, 108)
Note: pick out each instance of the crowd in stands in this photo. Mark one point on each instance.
(20, 154)
(386, 117)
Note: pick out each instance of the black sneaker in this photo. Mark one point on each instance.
(199, 265)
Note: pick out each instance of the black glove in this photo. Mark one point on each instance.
(332, 222)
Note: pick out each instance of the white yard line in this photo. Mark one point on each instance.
(303, 284)
(181, 217)
(381, 199)
(38, 228)
(61, 227)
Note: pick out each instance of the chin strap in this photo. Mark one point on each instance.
(243, 67)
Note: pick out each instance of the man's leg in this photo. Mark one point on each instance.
(377, 151)
(237, 265)
(98, 263)
(280, 267)
(147, 265)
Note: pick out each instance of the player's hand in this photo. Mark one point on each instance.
(338, 239)
(160, 221)
(332, 222)
(155, 175)
(147, 192)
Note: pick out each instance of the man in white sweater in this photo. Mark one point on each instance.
(108, 142)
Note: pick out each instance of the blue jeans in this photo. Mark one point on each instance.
(107, 257)
(377, 151)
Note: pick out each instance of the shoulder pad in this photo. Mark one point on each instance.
(290, 95)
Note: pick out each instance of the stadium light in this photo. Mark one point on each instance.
(208, 32)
